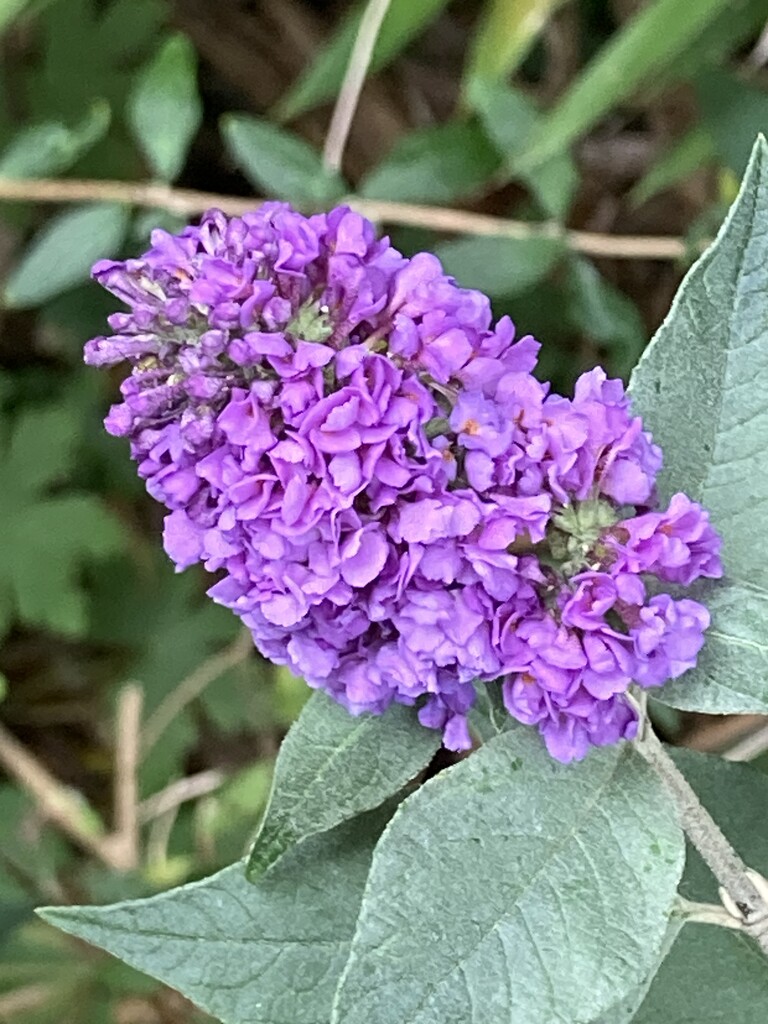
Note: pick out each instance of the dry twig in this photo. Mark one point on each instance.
(193, 685)
(58, 803)
(181, 791)
(125, 838)
(351, 87)
(188, 202)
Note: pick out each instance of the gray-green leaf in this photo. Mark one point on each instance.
(333, 766)
(62, 254)
(702, 388)
(266, 954)
(625, 1009)
(164, 108)
(511, 887)
(279, 162)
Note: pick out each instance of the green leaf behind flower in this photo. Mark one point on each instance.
(62, 254)
(164, 109)
(702, 388)
(51, 147)
(500, 266)
(274, 159)
(47, 535)
(434, 165)
(333, 766)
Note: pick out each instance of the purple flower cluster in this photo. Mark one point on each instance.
(396, 507)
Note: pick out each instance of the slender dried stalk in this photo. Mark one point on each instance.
(188, 202)
(352, 86)
(58, 803)
(193, 685)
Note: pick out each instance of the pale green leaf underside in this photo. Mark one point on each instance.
(515, 888)
(333, 766)
(266, 954)
(702, 388)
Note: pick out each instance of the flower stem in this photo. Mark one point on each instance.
(351, 87)
(744, 892)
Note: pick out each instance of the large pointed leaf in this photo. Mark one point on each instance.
(702, 387)
(266, 954)
(332, 766)
(514, 888)
(623, 1011)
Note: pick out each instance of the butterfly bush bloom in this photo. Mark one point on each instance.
(393, 504)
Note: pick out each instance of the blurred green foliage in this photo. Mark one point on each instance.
(594, 115)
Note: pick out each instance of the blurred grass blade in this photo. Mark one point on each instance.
(321, 81)
(62, 254)
(734, 112)
(164, 108)
(10, 9)
(434, 165)
(506, 31)
(649, 44)
(676, 164)
(51, 147)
